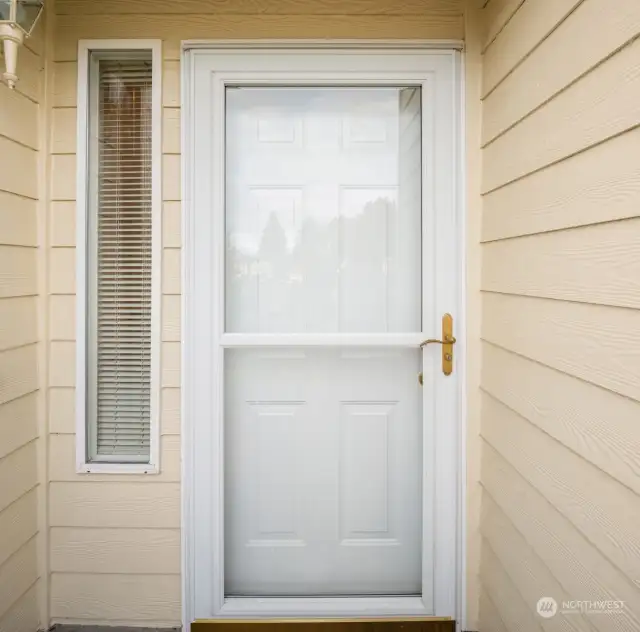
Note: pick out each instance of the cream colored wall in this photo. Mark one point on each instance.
(20, 346)
(560, 312)
(115, 541)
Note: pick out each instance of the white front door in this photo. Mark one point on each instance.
(320, 193)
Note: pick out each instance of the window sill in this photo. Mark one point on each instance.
(117, 468)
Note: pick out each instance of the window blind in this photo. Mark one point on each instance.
(123, 260)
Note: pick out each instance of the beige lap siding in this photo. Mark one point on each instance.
(560, 311)
(20, 492)
(115, 540)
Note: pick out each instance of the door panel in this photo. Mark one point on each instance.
(323, 472)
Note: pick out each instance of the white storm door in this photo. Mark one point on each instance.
(315, 451)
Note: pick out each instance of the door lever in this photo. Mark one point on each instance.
(447, 342)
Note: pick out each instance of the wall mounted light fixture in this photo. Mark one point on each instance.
(17, 19)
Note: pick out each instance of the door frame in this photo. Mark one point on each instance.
(202, 518)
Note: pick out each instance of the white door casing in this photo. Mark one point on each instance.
(208, 73)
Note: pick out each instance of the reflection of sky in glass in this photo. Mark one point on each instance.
(331, 131)
(322, 186)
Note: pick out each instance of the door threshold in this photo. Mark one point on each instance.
(381, 624)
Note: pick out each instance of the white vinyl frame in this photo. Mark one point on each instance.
(83, 208)
(437, 68)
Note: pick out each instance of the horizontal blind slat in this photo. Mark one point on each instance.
(124, 257)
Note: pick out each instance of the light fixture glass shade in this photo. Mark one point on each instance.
(21, 13)
(27, 14)
(5, 10)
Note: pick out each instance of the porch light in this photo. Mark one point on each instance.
(17, 19)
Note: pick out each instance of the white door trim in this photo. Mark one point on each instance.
(203, 236)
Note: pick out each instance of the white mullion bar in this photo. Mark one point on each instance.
(321, 340)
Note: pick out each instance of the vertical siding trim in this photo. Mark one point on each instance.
(45, 116)
(470, 302)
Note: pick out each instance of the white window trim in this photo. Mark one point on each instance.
(85, 48)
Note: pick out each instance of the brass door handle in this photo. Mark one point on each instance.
(447, 342)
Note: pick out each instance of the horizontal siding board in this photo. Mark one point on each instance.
(17, 575)
(70, 28)
(593, 264)
(171, 308)
(62, 363)
(63, 224)
(18, 423)
(63, 466)
(19, 372)
(62, 317)
(62, 270)
(62, 410)
(170, 406)
(171, 169)
(63, 177)
(533, 21)
(593, 422)
(171, 130)
(19, 119)
(563, 57)
(592, 342)
(18, 271)
(530, 576)
(606, 512)
(109, 598)
(124, 551)
(113, 505)
(18, 169)
(24, 614)
(253, 7)
(495, 16)
(171, 225)
(35, 42)
(577, 565)
(65, 84)
(171, 352)
(517, 615)
(171, 271)
(18, 473)
(489, 617)
(17, 220)
(18, 524)
(171, 85)
(604, 103)
(63, 131)
(18, 321)
(30, 66)
(597, 185)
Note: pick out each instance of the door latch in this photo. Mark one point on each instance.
(447, 342)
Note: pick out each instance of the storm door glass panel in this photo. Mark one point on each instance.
(323, 208)
(323, 462)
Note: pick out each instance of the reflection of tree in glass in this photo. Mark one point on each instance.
(366, 237)
(326, 259)
(273, 251)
